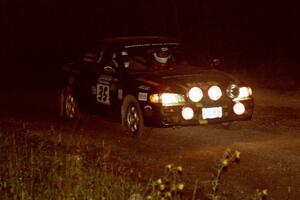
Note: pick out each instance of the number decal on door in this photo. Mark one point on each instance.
(103, 94)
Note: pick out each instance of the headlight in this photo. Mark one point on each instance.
(167, 99)
(244, 92)
(214, 93)
(195, 94)
(233, 91)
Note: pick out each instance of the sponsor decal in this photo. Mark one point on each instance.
(120, 94)
(202, 85)
(102, 95)
(148, 82)
(197, 84)
(210, 83)
(142, 96)
(93, 90)
(144, 87)
(182, 86)
(113, 87)
(104, 79)
(199, 105)
(152, 44)
(148, 107)
(203, 121)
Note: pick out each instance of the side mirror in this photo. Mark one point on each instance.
(215, 62)
(67, 67)
(109, 69)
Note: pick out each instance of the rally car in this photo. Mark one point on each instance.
(146, 81)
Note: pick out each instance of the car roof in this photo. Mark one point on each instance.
(137, 41)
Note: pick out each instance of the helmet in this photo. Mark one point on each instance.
(162, 56)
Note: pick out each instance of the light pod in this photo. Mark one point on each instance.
(187, 113)
(239, 108)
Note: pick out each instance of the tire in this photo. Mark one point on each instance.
(132, 117)
(69, 108)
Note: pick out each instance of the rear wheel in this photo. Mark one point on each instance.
(132, 118)
(69, 108)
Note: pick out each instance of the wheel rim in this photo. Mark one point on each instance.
(132, 119)
(70, 106)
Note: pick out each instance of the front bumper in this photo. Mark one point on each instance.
(171, 116)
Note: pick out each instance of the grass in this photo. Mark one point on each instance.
(34, 169)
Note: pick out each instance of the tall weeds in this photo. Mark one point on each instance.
(34, 169)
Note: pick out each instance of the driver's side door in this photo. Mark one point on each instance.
(105, 82)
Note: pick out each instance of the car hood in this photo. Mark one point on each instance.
(184, 78)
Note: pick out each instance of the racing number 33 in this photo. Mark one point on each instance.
(103, 94)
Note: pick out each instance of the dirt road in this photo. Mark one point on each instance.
(269, 144)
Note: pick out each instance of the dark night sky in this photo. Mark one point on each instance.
(35, 31)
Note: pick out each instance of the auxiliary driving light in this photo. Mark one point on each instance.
(214, 93)
(187, 113)
(195, 94)
(239, 108)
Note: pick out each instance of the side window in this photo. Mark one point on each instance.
(106, 56)
(108, 61)
(89, 56)
(100, 55)
(137, 63)
(88, 59)
(135, 59)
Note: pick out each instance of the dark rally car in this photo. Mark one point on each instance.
(146, 81)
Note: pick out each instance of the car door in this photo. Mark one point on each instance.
(106, 82)
(87, 64)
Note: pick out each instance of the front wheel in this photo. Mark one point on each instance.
(132, 117)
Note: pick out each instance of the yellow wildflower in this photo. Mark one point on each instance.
(162, 187)
(264, 192)
(168, 194)
(159, 181)
(180, 186)
(179, 169)
(149, 197)
(237, 154)
(225, 162)
(169, 166)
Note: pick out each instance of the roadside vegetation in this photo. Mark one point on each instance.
(34, 169)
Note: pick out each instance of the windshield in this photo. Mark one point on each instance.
(157, 58)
